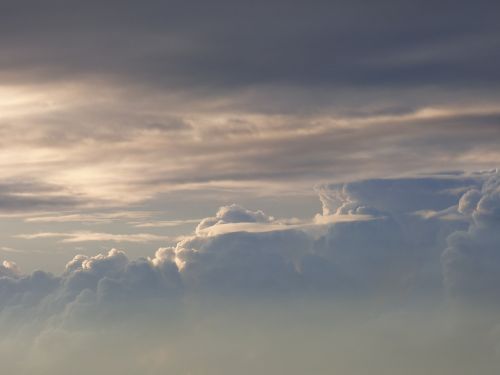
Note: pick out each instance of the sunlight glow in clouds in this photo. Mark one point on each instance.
(65, 144)
(236, 187)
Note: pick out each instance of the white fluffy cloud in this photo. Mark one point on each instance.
(233, 214)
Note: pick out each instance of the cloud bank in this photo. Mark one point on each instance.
(395, 264)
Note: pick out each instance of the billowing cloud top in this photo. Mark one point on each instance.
(432, 240)
(398, 249)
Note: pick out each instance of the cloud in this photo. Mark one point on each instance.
(368, 272)
(7, 249)
(376, 236)
(114, 277)
(186, 48)
(176, 103)
(167, 223)
(87, 236)
(127, 162)
(180, 106)
(87, 282)
(9, 269)
(92, 218)
(400, 195)
(472, 259)
(36, 196)
(233, 214)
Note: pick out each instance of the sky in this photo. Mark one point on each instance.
(220, 187)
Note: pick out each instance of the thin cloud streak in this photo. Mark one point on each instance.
(87, 236)
(166, 223)
(93, 218)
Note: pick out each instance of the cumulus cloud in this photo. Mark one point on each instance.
(372, 237)
(88, 283)
(389, 260)
(9, 269)
(233, 214)
(400, 195)
(472, 258)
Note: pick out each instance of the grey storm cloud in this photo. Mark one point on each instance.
(223, 44)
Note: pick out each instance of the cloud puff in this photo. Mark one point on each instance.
(472, 260)
(9, 269)
(232, 214)
(90, 287)
(113, 277)
(243, 261)
(400, 195)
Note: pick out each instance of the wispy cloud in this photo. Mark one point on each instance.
(87, 236)
(114, 124)
(7, 249)
(97, 218)
(166, 223)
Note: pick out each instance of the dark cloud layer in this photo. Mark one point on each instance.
(225, 44)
